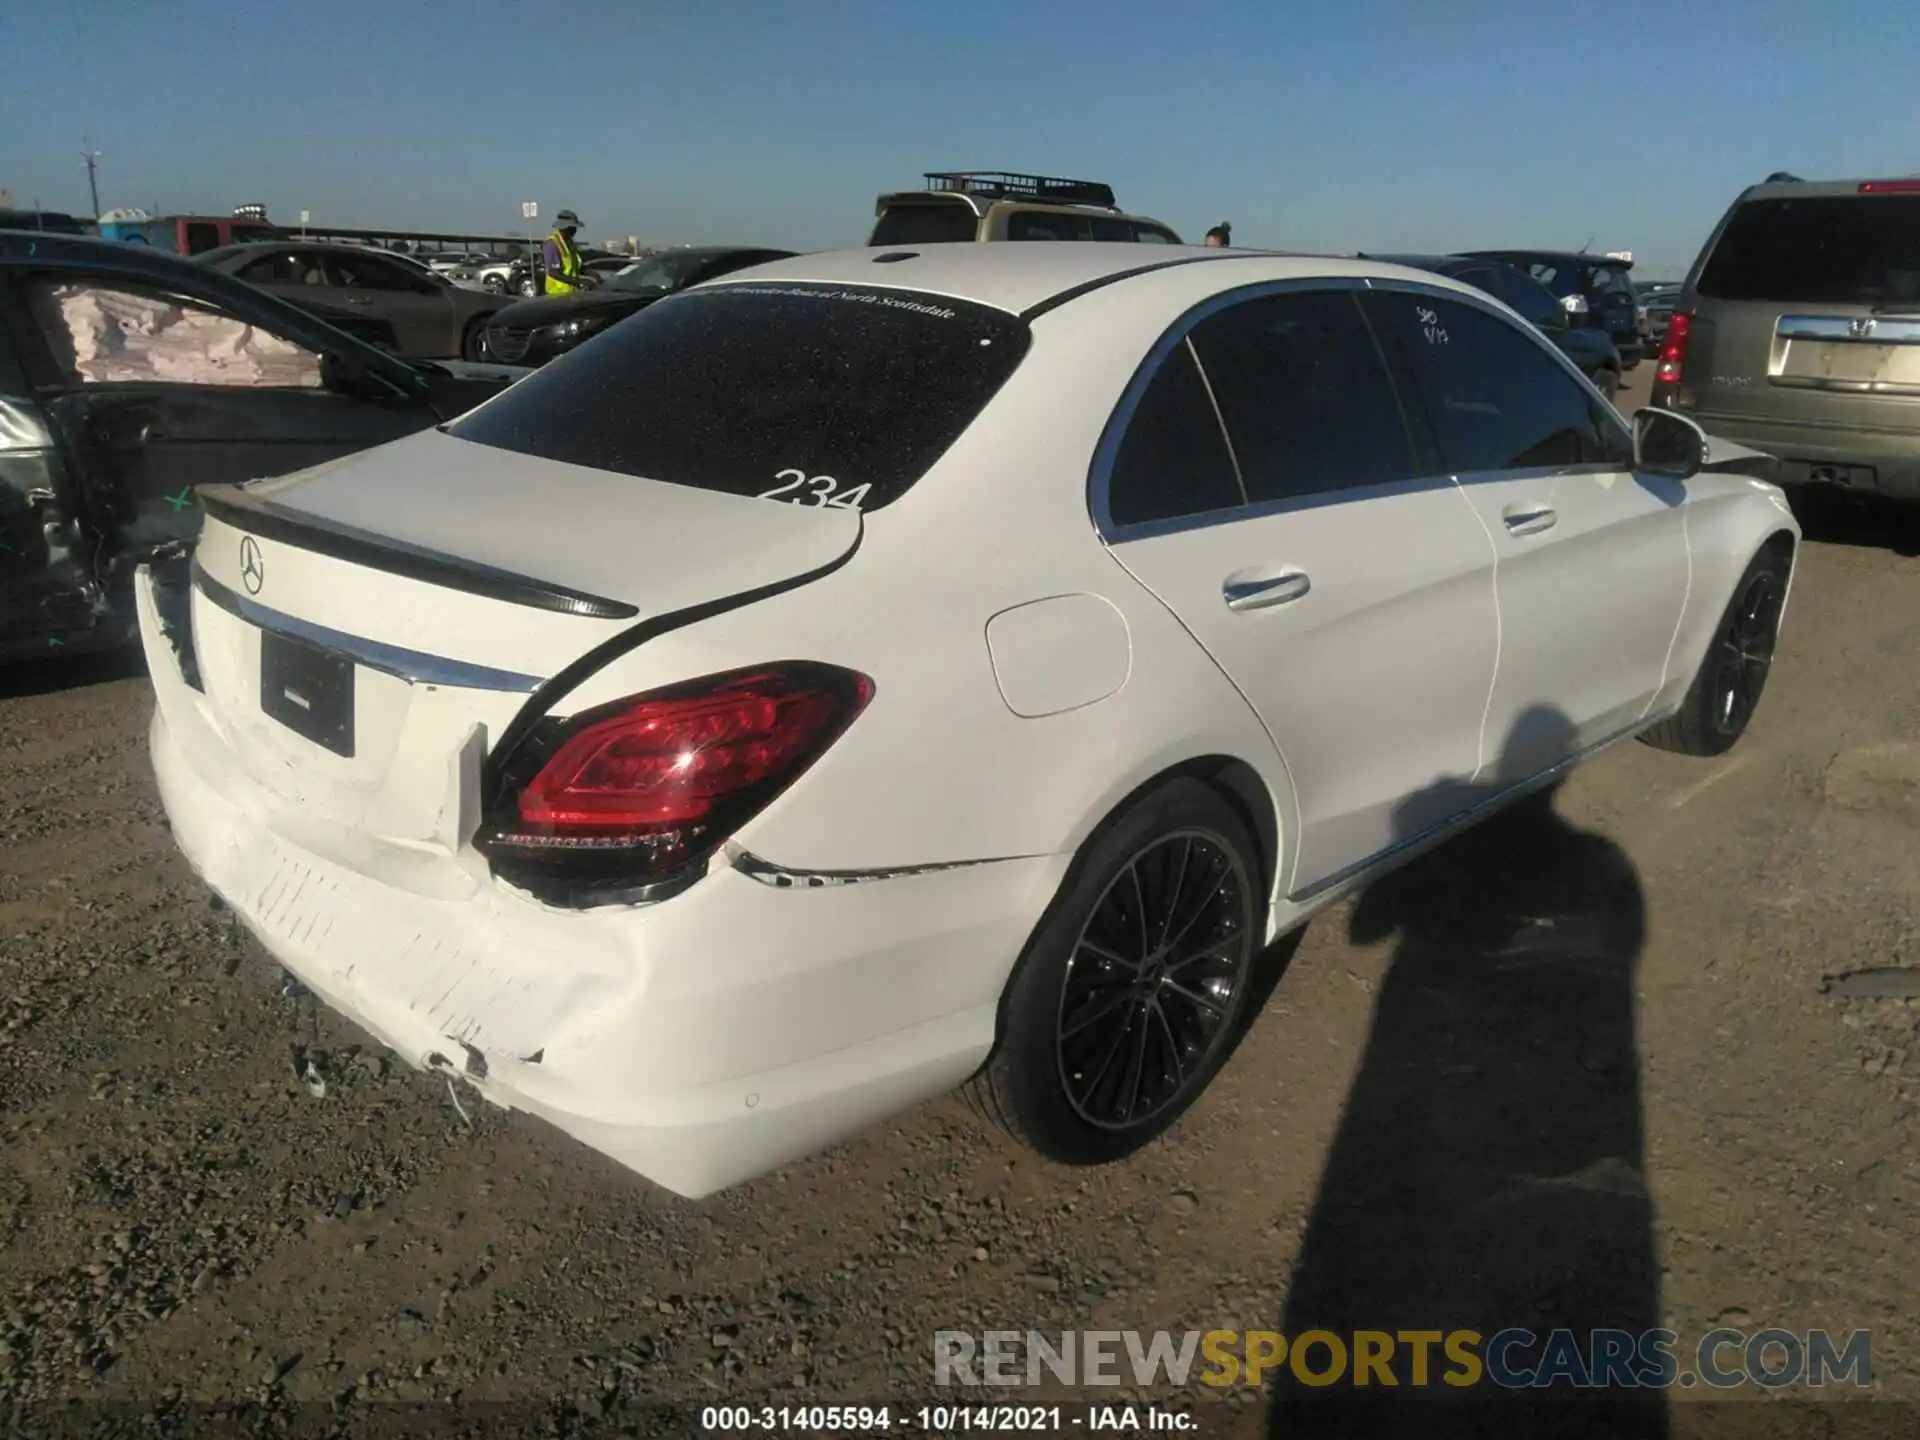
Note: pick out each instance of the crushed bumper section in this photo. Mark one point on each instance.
(700, 1041)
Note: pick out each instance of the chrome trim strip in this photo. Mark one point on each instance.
(1850, 330)
(414, 666)
(1850, 387)
(1466, 818)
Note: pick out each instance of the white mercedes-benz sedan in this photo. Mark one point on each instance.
(892, 669)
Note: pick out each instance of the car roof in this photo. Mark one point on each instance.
(1440, 264)
(1553, 257)
(1826, 189)
(249, 247)
(1020, 277)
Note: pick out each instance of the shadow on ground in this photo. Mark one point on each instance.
(1837, 518)
(70, 672)
(1488, 1171)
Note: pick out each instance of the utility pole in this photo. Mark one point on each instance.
(92, 158)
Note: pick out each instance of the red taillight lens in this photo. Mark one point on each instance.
(1890, 187)
(1673, 353)
(654, 782)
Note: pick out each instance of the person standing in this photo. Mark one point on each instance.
(558, 256)
(1220, 237)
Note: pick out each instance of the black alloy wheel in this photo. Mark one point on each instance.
(1726, 689)
(1135, 985)
(1152, 980)
(1743, 655)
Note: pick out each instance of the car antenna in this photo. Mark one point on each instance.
(1589, 245)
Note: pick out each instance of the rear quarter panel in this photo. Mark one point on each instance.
(939, 768)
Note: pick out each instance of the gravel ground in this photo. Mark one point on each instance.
(213, 1192)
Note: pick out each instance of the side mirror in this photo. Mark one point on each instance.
(1668, 444)
(1574, 305)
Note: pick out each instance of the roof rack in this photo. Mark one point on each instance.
(1002, 184)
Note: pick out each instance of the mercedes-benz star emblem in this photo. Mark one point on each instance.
(253, 570)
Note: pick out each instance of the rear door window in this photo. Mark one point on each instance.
(1173, 460)
(927, 222)
(809, 394)
(1154, 235)
(1820, 250)
(1497, 399)
(1304, 395)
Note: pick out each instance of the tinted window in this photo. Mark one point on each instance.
(1155, 235)
(743, 387)
(929, 223)
(1497, 399)
(283, 267)
(1173, 459)
(1531, 299)
(202, 237)
(1305, 395)
(1481, 277)
(1108, 227)
(1611, 284)
(358, 272)
(1048, 225)
(1824, 250)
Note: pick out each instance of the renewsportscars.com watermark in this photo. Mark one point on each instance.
(1513, 1359)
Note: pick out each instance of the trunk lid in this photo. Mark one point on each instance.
(364, 631)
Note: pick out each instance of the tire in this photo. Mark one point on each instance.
(473, 344)
(494, 285)
(1727, 688)
(1097, 1054)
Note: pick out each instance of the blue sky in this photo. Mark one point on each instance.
(1319, 124)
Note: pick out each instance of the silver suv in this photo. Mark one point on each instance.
(1798, 333)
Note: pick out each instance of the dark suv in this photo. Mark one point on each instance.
(1798, 333)
(1588, 347)
(1598, 281)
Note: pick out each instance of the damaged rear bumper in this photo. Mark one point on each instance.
(700, 1041)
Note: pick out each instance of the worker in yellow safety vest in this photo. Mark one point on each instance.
(561, 260)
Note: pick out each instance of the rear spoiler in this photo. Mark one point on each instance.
(236, 506)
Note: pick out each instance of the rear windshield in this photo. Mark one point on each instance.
(1820, 250)
(811, 394)
(926, 222)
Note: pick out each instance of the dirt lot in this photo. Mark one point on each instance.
(1579, 1067)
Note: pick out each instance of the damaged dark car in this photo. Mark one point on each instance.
(127, 377)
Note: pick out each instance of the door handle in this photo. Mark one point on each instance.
(358, 300)
(1528, 519)
(1263, 593)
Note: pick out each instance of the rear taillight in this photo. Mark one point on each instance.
(1673, 352)
(1890, 187)
(630, 792)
